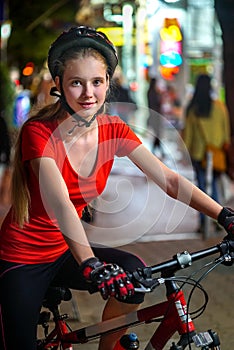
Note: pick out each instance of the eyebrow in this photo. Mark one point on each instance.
(82, 79)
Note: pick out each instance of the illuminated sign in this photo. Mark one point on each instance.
(115, 34)
(170, 48)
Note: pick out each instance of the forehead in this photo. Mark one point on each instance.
(84, 53)
(85, 66)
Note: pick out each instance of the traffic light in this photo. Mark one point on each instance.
(170, 48)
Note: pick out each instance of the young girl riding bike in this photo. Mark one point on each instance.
(63, 157)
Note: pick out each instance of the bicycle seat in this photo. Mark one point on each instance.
(55, 295)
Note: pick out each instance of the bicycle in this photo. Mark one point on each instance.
(173, 314)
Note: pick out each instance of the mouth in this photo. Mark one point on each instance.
(87, 105)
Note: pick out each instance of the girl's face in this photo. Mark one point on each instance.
(85, 84)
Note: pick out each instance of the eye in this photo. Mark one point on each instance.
(76, 83)
(98, 82)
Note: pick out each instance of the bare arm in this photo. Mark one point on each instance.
(55, 195)
(175, 185)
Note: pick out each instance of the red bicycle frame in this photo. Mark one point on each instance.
(55, 338)
(175, 318)
(171, 314)
(173, 311)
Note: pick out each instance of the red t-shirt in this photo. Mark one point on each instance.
(40, 240)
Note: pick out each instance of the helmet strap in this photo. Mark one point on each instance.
(80, 120)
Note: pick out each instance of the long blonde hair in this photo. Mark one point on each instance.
(20, 195)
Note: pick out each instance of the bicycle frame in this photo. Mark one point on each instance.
(172, 322)
(173, 312)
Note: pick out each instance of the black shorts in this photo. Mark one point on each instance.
(69, 274)
(23, 286)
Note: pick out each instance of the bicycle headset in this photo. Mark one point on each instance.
(75, 38)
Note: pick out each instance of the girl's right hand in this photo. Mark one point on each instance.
(110, 279)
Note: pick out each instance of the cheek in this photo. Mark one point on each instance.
(71, 95)
(102, 94)
(104, 90)
(73, 92)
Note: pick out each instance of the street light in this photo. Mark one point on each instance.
(127, 15)
(5, 34)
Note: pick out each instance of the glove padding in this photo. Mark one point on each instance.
(110, 279)
(226, 219)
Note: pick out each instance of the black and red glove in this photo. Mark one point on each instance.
(110, 279)
(226, 219)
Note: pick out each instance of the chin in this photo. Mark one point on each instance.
(87, 113)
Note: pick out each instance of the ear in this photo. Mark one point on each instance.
(57, 83)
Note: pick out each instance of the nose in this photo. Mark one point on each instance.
(87, 90)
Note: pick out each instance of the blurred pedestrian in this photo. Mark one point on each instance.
(42, 88)
(120, 101)
(206, 123)
(154, 121)
(22, 106)
(171, 107)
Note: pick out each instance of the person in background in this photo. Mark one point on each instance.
(42, 90)
(120, 100)
(154, 121)
(62, 161)
(206, 121)
(171, 106)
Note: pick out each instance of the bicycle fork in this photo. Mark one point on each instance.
(176, 318)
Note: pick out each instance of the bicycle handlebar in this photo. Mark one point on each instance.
(180, 261)
(183, 260)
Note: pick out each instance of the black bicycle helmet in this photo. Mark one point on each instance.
(82, 36)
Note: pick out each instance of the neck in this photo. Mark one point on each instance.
(70, 127)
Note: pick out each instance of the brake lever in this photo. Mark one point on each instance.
(143, 280)
(227, 251)
(155, 283)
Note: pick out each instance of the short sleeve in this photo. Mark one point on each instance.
(127, 139)
(37, 141)
(121, 138)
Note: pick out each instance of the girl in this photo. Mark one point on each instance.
(63, 157)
